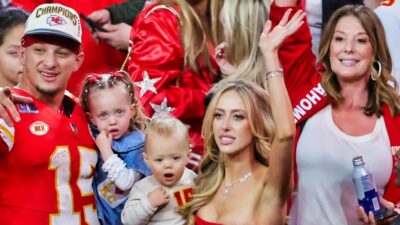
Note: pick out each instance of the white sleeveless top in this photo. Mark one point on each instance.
(325, 193)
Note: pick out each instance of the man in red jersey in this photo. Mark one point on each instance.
(99, 57)
(47, 158)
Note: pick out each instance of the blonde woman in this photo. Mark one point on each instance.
(249, 132)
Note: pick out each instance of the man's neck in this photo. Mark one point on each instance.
(53, 101)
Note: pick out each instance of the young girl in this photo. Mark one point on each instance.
(12, 25)
(113, 110)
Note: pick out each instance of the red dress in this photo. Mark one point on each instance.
(199, 221)
(161, 82)
(46, 167)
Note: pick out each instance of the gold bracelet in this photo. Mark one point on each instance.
(274, 73)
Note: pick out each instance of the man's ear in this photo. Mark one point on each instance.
(21, 55)
(79, 60)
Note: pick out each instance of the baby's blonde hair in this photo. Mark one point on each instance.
(166, 126)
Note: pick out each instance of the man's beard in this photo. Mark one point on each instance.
(47, 92)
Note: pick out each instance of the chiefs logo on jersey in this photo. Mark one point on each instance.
(39, 128)
(54, 20)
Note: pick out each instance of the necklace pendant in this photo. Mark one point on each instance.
(242, 179)
(227, 188)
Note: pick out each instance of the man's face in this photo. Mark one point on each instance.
(48, 68)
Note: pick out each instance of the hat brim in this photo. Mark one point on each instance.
(52, 32)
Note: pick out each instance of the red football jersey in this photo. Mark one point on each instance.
(46, 166)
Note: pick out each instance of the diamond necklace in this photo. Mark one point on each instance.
(228, 187)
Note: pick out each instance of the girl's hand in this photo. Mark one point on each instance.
(103, 142)
(271, 40)
(225, 67)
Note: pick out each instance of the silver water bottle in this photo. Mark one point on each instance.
(367, 194)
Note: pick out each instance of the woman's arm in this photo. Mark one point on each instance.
(280, 162)
(298, 62)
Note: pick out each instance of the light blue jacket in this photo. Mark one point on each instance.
(110, 200)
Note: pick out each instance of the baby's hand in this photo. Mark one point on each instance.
(158, 197)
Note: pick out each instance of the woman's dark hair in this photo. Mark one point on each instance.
(9, 18)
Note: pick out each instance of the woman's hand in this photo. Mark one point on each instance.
(271, 40)
(101, 16)
(225, 67)
(370, 219)
(116, 35)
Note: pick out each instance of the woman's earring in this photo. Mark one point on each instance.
(379, 71)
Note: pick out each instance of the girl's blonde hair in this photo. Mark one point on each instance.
(105, 81)
(262, 127)
(383, 90)
(243, 22)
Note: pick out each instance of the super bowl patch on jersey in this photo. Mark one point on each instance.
(39, 128)
(27, 108)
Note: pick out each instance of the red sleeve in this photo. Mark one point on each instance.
(3, 147)
(157, 50)
(298, 62)
(392, 123)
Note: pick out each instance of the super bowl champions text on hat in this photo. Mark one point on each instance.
(55, 19)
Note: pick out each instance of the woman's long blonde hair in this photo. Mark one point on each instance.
(262, 127)
(194, 33)
(243, 22)
(383, 90)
